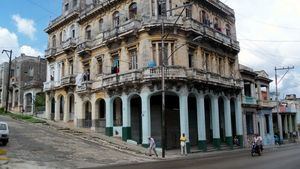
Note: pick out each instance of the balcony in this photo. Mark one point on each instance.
(32, 84)
(51, 85)
(84, 48)
(84, 87)
(191, 24)
(69, 44)
(124, 29)
(249, 100)
(266, 103)
(116, 79)
(50, 52)
(221, 6)
(68, 80)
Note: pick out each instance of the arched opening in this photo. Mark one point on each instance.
(100, 110)
(72, 31)
(193, 123)
(172, 120)
(52, 109)
(118, 112)
(228, 30)
(222, 119)
(61, 107)
(87, 115)
(208, 120)
(28, 106)
(116, 19)
(136, 118)
(71, 107)
(132, 10)
(232, 112)
(54, 41)
(88, 33)
(16, 99)
(100, 25)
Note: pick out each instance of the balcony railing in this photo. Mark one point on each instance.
(50, 52)
(84, 87)
(69, 44)
(50, 85)
(124, 28)
(126, 77)
(249, 100)
(266, 103)
(84, 47)
(68, 80)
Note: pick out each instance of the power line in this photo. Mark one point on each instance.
(42, 7)
(272, 41)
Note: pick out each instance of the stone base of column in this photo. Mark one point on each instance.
(217, 143)
(145, 145)
(241, 140)
(229, 141)
(202, 145)
(126, 133)
(109, 131)
(80, 123)
(188, 147)
(95, 123)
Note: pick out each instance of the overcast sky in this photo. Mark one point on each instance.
(268, 32)
(269, 36)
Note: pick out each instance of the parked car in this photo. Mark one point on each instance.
(4, 133)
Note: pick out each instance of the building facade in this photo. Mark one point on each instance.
(26, 80)
(256, 106)
(104, 63)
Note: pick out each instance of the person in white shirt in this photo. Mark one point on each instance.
(152, 146)
(258, 141)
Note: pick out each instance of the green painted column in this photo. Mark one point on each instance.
(183, 106)
(146, 120)
(228, 127)
(109, 131)
(201, 123)
(126, 129)
(215, 123)
(238, 118)
(126, 133)
(202, 145)
(109, 117)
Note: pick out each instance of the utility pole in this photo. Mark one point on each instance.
(279, 121)
(9, 54)
(163, 61)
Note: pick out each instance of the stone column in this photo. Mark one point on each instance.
(239, 121)
(201, 123)
(126, 129)
(47, 108)
(252, 87)
(258, 91)
(146, 120)
(228, 127)
(95, 116)
(56, 114)
(271, 127)
(262, 122)
(109, 117)
(290, 123)
(286, 125)
(215, 122)
(66, 109)
(184, 118)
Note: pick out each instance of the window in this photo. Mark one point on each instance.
(101, 25)
(133, 59)
(100, 66)
(153, 7)
(157, 54)
(66, 6)
(188, 10)
(71, 68)
(207, 61)
(267, 124)
(30, 71)
(204, 18)
(3, 126)
(72, 31)
(116, 19)
(217, 24)
(162, 10)
(60, 38)
(249, 123)
(54, 41)
(228, 30)
(115, 63)
(191, 57)
(74, 3)
(170, 5)
(132, 10)
(88, 33)
(221, 65)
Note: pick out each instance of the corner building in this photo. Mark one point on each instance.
(104, 70)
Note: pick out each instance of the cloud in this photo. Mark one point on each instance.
(9, 41)
(25, 26)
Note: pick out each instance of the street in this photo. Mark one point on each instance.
(277, 158)
(37, 146)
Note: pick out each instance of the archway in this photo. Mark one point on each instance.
(100, 110)
(16, 99)
(61, 107)
(208, 120)
(172, 120)
(28, 106)
(232, 112)
(118, 112)
(136, 118)
(193, 123)
(52, 109)
(87, 115)
(222, 119)
(71, 107)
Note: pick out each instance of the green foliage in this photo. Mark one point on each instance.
(39, 100)
(27, 118)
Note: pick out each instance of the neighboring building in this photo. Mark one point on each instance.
(257, 105)
(104, 70)
(26, 80)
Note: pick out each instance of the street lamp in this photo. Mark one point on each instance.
(8, 78)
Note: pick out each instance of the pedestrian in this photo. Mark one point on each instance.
(152, 146)
(183, 144)
(236, 141)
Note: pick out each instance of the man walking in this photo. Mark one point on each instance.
(152, 146)
(183, 144)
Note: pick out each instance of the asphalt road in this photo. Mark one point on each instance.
(275, 158)
(37, 146)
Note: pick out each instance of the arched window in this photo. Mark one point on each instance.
(217, 24)
(228, 30)
(54, 41)
(132, 10)
(60, 38)
(101, 25)
(88, 33)
(72, 31)
(162, 8)
(116, 19)
(204, 18)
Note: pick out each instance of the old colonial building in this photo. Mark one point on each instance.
(104, 61)
(27, 75)
(256, 106)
